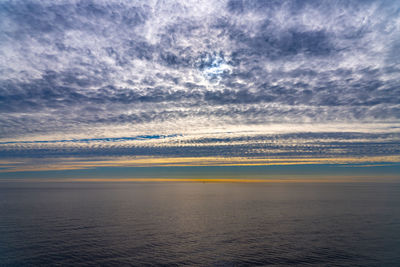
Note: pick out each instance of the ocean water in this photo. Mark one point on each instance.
(199, 224)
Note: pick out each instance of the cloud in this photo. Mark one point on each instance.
(250, 144)
(114, 69)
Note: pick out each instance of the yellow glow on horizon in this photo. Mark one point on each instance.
(85, 163)
(330, 179)
(212, 180)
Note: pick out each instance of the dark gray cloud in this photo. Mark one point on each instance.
(98, 69)
(273, 146)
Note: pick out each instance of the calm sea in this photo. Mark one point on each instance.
(211, 224)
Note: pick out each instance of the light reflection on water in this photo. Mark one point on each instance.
(199, 224)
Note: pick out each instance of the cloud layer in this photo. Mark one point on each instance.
(114, 69)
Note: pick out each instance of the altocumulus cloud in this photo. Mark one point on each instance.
(211, 78)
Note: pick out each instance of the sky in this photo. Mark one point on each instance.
(169, 89)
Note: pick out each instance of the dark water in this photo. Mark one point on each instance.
(200, 224)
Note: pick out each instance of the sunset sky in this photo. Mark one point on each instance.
(200, 89)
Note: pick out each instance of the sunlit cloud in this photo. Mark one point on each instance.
(48, 164)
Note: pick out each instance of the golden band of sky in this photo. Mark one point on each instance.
(23, 165)
(292, 179)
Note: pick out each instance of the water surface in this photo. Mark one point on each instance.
(208, 224)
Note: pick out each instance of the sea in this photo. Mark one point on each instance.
(199, 224)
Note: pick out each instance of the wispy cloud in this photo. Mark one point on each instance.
(57, 164)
